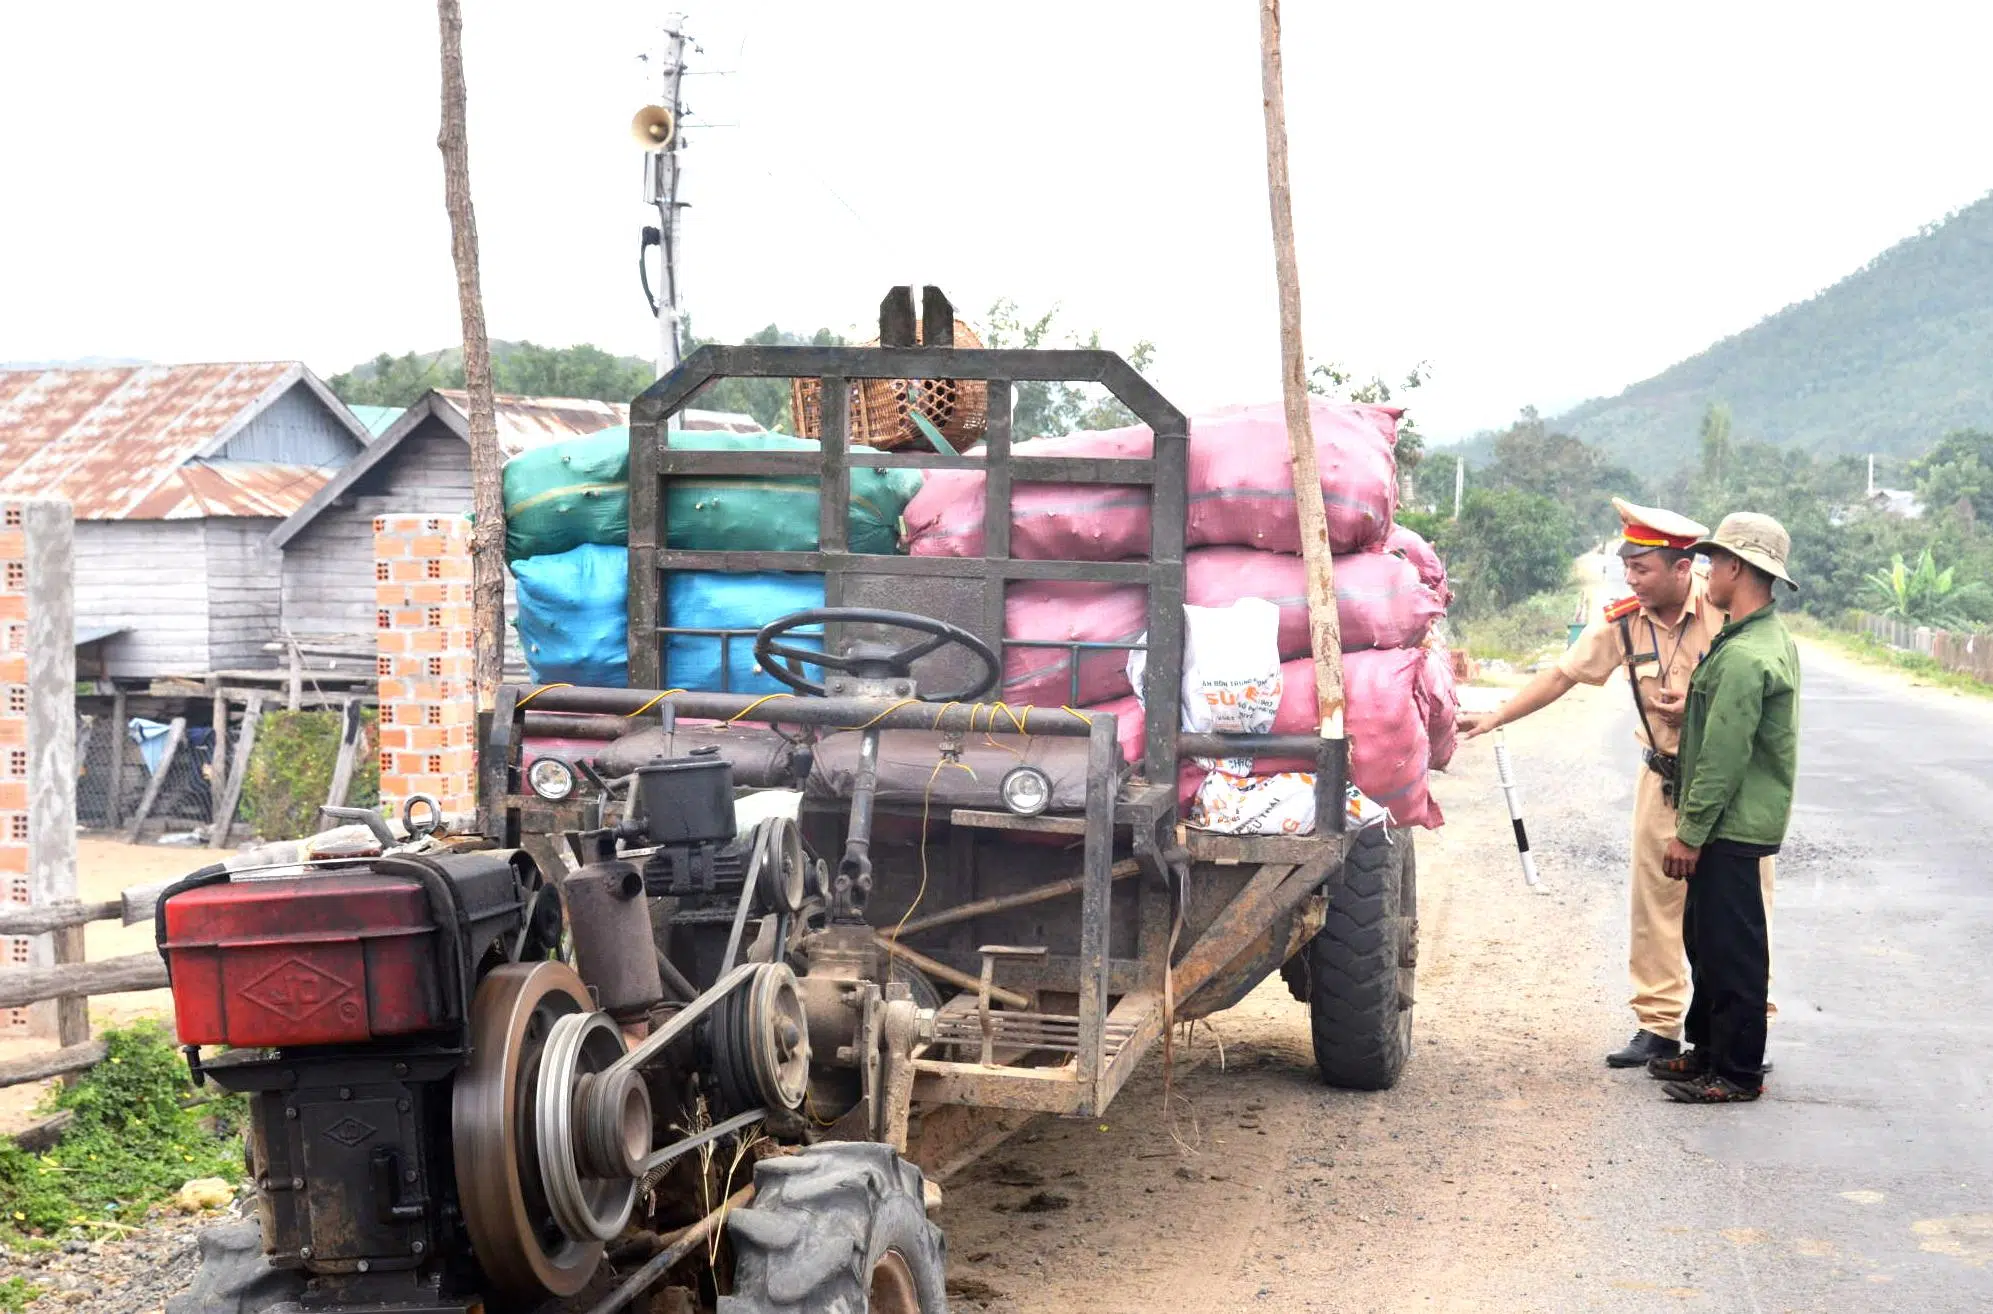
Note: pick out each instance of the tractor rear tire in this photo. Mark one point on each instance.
(839, 1228)
(1360, 967)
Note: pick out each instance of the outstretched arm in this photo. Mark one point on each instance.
(1545, 688)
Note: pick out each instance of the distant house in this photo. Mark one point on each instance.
(1896, 502)
(177, 474)
(420, 463)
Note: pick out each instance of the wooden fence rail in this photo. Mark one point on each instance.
(73, 982)
(1966, 654)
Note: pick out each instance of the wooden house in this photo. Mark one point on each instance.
(419, 464)
(177, 475)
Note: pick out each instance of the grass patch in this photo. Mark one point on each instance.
(133, 1143)
(17, 1293)
(1871, 651)
(1520, 634)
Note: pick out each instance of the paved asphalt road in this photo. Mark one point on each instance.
(1864, 1179)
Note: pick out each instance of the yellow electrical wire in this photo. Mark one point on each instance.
(653, 702)
(537, 692)
(756, 703)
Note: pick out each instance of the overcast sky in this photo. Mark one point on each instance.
(1545, 201)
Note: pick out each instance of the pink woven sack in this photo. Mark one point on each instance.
(1380, 598)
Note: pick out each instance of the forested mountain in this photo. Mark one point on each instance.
(1887, 360)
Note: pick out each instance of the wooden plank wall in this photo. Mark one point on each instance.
(296, 429)
(152, 577)
(245, 593)
(328, 569)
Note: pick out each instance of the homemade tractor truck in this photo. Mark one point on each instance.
(701, 1019)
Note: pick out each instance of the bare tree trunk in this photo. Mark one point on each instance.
(487, 503)
(1324, 626)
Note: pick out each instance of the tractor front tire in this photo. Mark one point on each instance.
(839, 1228)
(234, 1276)
(1360, 967)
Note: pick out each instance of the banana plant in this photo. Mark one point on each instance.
(1923, 594)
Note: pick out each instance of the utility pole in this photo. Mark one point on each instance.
(661, 137)
(1324, 625)
(1459, 484)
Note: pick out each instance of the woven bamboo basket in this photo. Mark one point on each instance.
(882, 409)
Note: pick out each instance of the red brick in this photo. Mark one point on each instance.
(393, 737)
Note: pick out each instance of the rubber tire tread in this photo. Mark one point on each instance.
(1361, 1035)
(820, 1222)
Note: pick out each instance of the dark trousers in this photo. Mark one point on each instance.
(1723, 929)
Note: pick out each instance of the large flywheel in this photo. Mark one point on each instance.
(537, 1233)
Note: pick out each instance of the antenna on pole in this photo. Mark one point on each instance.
(656, 128)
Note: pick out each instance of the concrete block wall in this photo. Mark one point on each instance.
(37, 729)
(422, 619)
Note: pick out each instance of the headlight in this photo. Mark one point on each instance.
(550, 778)
(1027, 791)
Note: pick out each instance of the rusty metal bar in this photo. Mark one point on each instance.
(963, 912)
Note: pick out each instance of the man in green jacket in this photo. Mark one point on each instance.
(1739, 755)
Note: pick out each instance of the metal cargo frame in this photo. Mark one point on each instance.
(654, 462)
(1110, 1038)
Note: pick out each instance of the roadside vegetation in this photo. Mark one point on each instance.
(1870, 651)
(141, 1132)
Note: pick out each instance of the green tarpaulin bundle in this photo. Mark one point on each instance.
(564, 495)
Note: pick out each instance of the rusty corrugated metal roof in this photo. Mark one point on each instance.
(112, 440)
(528, 422)
(231, 488)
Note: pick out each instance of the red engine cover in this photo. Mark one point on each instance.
(314, 960)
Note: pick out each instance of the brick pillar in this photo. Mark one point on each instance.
(37, 734)
(422, 599)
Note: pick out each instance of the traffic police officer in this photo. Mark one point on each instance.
(1657, 635)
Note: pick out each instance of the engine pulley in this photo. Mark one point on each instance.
(761, 1043)
(526, 1256)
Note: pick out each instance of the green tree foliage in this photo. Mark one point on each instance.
(1958, 474)
(1923, 594)
(530, 370)
(519, 369)
(769, 401)
(1039, 410)
(395, 380)
(1507, 545)
(1886, 358)
(1531, 457)
(1715, 442)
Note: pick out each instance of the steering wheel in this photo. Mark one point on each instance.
(867, 661)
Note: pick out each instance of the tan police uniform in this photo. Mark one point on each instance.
(1664, 657)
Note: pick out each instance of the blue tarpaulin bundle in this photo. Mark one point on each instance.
(573, 615)
(706, 600)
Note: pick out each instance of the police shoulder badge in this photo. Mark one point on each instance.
(1625, 607)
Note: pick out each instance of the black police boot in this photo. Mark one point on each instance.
(1644, 1047)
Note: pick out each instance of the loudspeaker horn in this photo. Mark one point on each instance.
(653, 127)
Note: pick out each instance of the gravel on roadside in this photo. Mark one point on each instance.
(135, 1273)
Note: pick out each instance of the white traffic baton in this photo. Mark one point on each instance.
(1512, 794)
